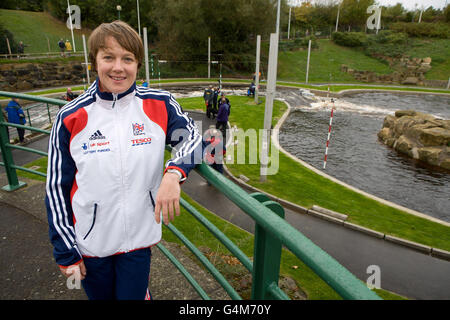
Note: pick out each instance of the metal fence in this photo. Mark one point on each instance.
(271, 232)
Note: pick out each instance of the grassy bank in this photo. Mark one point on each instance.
(38, 30)
(326, 61)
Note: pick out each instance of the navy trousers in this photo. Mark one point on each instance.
(119, 277)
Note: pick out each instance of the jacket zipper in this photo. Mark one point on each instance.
(151, 199)
(93, 221)
(118, 128)
(114, 100)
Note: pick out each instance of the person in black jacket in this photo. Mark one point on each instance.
(208, 96)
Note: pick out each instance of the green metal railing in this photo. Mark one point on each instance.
(271, 232)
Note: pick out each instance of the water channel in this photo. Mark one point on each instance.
(358, 158)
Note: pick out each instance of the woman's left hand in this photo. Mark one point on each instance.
(168, 198)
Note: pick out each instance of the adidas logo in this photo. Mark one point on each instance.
(97, 136)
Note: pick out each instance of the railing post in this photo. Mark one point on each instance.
(267, 254)
(49, 115)
(13, 182)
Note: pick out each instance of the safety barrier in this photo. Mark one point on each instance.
(271, 232)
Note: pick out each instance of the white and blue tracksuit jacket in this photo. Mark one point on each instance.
(105, 165)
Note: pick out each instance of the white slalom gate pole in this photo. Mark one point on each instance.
(328, 139)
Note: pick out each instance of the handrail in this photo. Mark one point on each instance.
(326, 267)
(274, 232)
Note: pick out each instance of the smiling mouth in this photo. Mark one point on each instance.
(117, 78)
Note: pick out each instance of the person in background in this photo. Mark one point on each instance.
(108, 189)
(216, 149)
(70, 95)
(62, 47)
(222, 117)
(215, 98)
(17, 116)
(208, 96)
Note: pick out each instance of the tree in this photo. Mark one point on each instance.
(354, 13)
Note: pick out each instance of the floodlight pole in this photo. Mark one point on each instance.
(270, 95)
(209, 57)
(147, 73)
(86, 60)
(258, 53)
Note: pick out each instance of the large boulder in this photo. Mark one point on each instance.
(418, 135)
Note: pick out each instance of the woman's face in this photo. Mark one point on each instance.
(116, 67)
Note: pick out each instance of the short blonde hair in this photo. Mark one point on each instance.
(123, 33)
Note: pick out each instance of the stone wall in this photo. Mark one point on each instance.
(418, 135)
(29, 76)
(409, 71)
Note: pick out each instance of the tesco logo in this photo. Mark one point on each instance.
(141, 141)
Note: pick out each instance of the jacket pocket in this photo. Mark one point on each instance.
(151, 199)
(93, 222)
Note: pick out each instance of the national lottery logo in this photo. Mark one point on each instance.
(138, 129)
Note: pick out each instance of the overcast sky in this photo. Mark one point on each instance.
(408, 4)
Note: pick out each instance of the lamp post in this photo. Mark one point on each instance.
(119, 8)
(139, 18)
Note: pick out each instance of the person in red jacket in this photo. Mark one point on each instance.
(107, 186)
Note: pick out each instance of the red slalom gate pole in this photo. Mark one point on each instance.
(329, 134)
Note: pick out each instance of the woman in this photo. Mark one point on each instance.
(106, 188)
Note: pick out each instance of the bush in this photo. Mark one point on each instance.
(349, 39)
(298, 43)
(424, 29)
(4, 33)
(387, 44)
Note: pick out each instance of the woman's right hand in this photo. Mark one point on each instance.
(78, 269)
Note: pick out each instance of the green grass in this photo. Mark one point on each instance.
(329, 57)
(34, 28)
(306, 188)
(439, 52)
(325, 60)
(310, 283)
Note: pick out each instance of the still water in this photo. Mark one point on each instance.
(357, 157)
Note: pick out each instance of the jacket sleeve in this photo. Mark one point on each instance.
(184, 137)
(60, 179)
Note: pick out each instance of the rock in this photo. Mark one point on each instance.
(403, 145)
(418, 135)
(426, 60)
(410, 80)
(430, 155)
(434, 136)
(401, 113)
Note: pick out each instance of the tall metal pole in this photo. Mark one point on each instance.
(278, 19)
(289, 23)
(147, 73)
(209, 57)
(270, 95)
(139, 18)
(258, 52)
(307, 64)
(86, 60)
(71, 26)
(337, 18)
